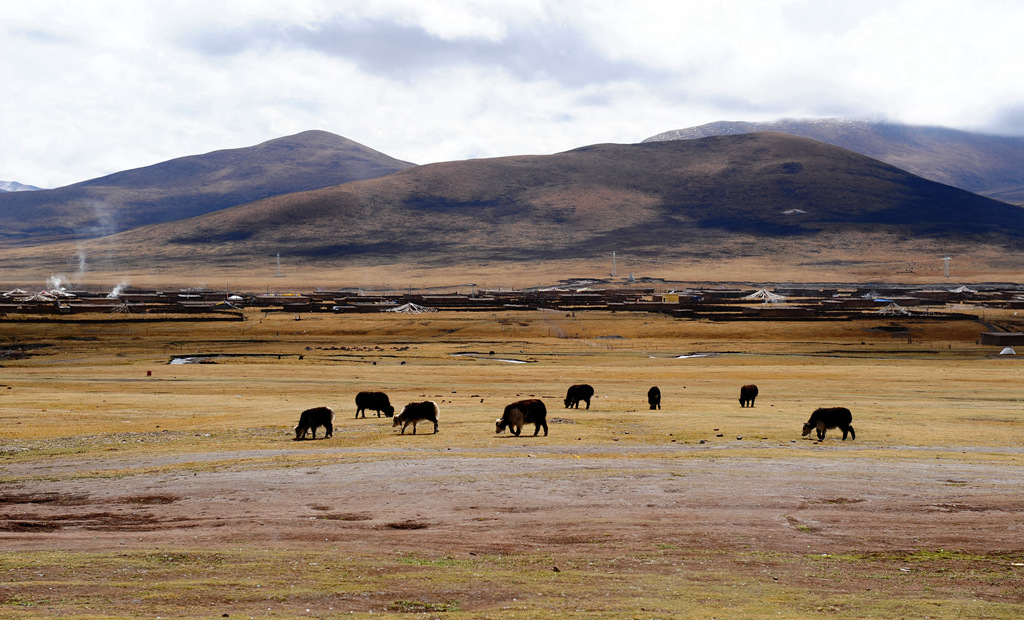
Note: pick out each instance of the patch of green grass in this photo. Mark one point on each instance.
(418, 607)
(416, 559)
(942, 555)
(667, 581)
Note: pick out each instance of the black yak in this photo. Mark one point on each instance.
(377, 401)
(747, 395)
(830, 417)
(310, 419)
(417, 412)
(577, 393)
(522, 412)
(654, 397)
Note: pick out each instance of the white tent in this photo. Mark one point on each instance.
(411, 308)
(1008, 351)
(962, 289)
(766, 295)
(894, 309)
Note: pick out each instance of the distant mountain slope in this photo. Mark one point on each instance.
(189, 186)
(989, 165)
(727, 196)
(12, 186)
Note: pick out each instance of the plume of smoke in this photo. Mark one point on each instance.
(55, 283)
(117, 290)
(80, 274)
(104, 222)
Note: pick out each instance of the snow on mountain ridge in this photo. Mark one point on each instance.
(11, 186)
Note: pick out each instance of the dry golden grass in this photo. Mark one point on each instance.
(84, 408)
(939, 389)
(859, 258)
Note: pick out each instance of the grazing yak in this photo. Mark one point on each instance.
(830, 417)
(310, 419)
(417, 412)
(522, 412)
(377, 401)
(577, 393)
(747, 395)
(654, 397)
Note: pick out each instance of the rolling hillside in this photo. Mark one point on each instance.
(984, 164)
(753, 197)
(187, 187)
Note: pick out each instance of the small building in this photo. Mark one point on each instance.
(1002, 339)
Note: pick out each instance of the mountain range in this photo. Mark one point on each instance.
(13, 186)
(745, 202)
(189, 186)
(989, 165)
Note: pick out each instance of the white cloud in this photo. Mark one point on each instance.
(93, 88)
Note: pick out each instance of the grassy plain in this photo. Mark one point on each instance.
(701, 509)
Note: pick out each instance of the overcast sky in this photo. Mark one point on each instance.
(91, 88)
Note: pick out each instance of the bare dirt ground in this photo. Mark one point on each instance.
(759, 520)
(699, 510)
(546, 499)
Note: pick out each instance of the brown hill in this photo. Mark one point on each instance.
(989, 165)
(763, 198)
(189, 186)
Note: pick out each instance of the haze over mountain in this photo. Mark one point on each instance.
(189, 186)
(758, 197)
(985, 164)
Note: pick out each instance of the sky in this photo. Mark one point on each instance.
(92, 88)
